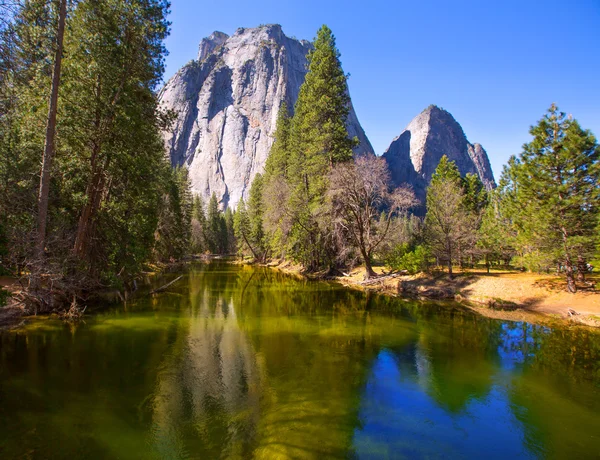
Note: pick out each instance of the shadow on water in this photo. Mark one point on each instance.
(247, 362)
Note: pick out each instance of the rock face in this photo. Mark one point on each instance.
(414, 155)
(226, 105)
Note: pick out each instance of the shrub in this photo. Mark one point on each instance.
(412, 259)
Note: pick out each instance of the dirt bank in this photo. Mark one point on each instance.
(499, 294)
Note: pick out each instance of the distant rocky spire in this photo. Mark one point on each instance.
(414, 155)
(211, 43)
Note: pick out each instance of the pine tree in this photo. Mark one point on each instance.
(229, 227)
(199, 244)
(494, 236)
(242, 228)
(49, 147)
(255, 215)
(27, 52)
(318, 140)
(115, 60)
(278, 159)
(476, 196)
(213, 226)
(173, 235)
(551, 190)
(446, 170)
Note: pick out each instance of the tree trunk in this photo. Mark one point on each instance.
(571, 287)
(49, 147)
(449, 249)
(369, 272)
(581, 269)
(94, 192)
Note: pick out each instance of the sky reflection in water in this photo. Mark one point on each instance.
(246, 362)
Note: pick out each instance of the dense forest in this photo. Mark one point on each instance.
(89, 198)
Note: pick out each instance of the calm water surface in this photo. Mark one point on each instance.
(249, 363)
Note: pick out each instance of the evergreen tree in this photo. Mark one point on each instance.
(27, 50)
(49, 148)
(242, 228)
(278, 159)
(198, 237)
(494, 236)
(213, 226)
(108, 152)
(318, 140)
(476, 197)
(228, 218)
(446, 170)
(173, 235)
(115, 60)
(552, 191)
(255, 216)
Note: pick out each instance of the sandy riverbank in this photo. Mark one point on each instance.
(500, 294)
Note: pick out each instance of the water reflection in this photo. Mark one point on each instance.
(241, 362)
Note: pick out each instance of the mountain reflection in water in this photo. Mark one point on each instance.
(243, 362)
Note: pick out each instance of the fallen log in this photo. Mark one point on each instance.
(379, 279)
(162, 288)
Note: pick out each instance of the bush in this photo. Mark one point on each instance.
(405, 257)
(535, 261)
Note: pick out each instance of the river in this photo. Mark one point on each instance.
(246, 362)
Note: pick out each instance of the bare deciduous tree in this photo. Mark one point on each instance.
(359, 192)
(448, 225)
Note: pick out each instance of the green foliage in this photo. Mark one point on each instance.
(114, 202)
(242, 227)
(198, 237)
(495, 240)
(173, 235)
(476, 197)
(228, 218)
(278, 159)
(213, 226)
(446, 171)
(318, 140)
(255, 216)
(214, 229)
(550, 192)
(406, 257)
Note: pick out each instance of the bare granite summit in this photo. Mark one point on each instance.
(226, 104)
(414, 155)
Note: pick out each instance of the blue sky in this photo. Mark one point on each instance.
(495, 65)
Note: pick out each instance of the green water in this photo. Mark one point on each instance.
(240, 362)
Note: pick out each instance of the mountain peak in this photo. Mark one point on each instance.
(210, 44)
(414, 155)
(227, 105)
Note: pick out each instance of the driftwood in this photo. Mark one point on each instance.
(379, 279)
(571, 312)
(162, 288)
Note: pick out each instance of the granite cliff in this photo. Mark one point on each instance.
(413, 156)
(226, 104)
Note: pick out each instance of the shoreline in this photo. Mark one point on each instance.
(475, 292)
